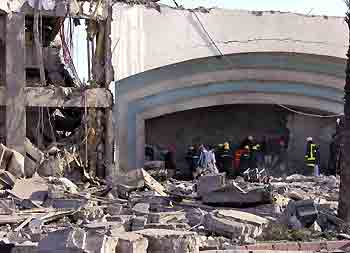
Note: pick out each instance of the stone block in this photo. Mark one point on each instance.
(114, 209)
(210, 183)
(230, 195)
(106, 225)
(166, 217)
(26, 248)
(230, 228)
(169, 226)
(61, 240)
(130, 242)
(68, 203)
(7, 206)
(170, 241)
(98, 243)
(138, 223)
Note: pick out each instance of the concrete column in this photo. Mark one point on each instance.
(15, 82)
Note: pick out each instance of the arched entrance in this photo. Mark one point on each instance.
(301, 80)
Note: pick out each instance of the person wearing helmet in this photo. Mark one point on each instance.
(245, 161)
(312, 158)
(248, 141)
(218, 151)
(226, 159)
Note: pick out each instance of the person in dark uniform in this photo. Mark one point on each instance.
(169, 160)
(218, 152)
(249, 141)
(245, 160)
(226, 159)
(332, 161)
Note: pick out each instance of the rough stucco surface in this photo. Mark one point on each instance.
(147, 39)
(233, 123)
(2, 49)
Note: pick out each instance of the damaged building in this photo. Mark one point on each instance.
(72, 149)
(202, 81)
(49, 115)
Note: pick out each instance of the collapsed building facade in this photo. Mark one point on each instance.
(47, 112)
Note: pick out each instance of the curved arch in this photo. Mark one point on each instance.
(292, 79)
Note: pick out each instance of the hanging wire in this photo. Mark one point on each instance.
(207, 33)
(230, 62)
(310, 114)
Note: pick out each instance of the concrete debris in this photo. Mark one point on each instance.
(35, 188)
(161, 240)
(11, 161)
(230, 196)
(139, 214)
(210, 183)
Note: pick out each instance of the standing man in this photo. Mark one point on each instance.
(312, 158)
(226, 159)
(170, 163)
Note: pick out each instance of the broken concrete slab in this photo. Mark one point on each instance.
(99, 243)
(169, 226)
(153, 184)
(138, 223)
(68, 203)
(231, 196)
(130, 242)
(166, 217)
(60, 240)
(7, 180)
(242, 217)
(35, 189)
(209, 183)
(12, 161)
(106, 225)
(7, 206)
(170, 241)
(230, 228)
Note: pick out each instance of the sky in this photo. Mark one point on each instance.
(311, 7)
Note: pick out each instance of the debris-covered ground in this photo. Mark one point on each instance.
(137, 213)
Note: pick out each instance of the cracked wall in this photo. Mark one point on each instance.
(146, 39)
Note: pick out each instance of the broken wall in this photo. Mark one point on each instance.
(2, 49)
(147, 39)
(3, 124)
(233, 123)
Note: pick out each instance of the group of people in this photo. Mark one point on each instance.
(267, 153)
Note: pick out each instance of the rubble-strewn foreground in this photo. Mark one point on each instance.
(136, 213)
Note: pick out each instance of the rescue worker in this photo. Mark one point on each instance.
(248, 141)
(245, 159)
(312, 158)
(219, 150)
(332, 162)
(169, 160)
(256, 157)
(226, 159)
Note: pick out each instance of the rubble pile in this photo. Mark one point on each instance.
(136, 213)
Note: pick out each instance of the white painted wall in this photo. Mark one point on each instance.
(145, 39)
